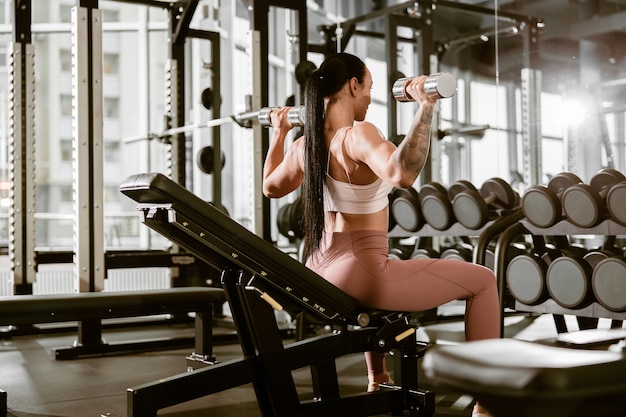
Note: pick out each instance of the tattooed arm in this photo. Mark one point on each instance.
(402, 165)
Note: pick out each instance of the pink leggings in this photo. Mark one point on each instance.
(357, 263)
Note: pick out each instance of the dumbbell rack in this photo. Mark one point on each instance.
(484, 234)
(563, 228)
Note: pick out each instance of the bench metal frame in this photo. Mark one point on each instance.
(257, 277)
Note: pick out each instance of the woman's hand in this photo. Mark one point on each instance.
(280, 120)
(415, 88)
(283, 170)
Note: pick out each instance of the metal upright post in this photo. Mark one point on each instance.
(88, 152)
(531, 106)
(22, 151)
(260, 77)
(89, 256)
(180, 16)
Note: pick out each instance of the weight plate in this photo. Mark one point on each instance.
(563, 180)
(406, 210)
(568, 280)
(582, 205)
(541, 206)
(282, 221)
(470, 209)
(424, 253)
(458, 187)
(296, 215)
(525, 277)
(432, 188)
(391, 220)
(504, 195)
(399, 253)
(437, 211)
(457, 254)
(616, 203)
(609, 283)
(605, 179)
(594, 257)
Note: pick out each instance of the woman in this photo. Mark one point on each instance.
(350, 170)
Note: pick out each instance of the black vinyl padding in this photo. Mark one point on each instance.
(51, 308)
(239, 246)
(511, 368)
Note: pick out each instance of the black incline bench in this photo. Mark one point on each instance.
(257, 278)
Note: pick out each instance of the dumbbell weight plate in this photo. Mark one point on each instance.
(569, 282)
(391, 220)
(584, 204)
(525, 278)
(435, 205)
(405, 209)
(490, 256)
(594, 257)
(609, 283)
(283, 220)
(500, 191)
(398, 253)
(542, 204)
(457, 254)
(466, 203)
(471, 208)
(459, 186)
(424, 253)
(296, 214)
(616, 203)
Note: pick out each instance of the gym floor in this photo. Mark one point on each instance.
(38, 385)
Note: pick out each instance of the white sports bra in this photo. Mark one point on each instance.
(349, 198)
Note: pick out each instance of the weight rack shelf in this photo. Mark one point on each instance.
(551, 307)
(607, 228)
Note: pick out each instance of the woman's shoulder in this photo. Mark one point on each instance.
(367, 130)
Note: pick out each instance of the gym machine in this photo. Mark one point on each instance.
(257, 278)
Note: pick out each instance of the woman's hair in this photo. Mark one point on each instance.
(325, 82)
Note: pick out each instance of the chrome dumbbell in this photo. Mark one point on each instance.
(440, 85)
(296, 115)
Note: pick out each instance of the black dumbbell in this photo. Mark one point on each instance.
(472, 208)
(391, 220)
(288, 220)
(436, 206)
(542, 204)
(609, 283)
(584, 204)
(405, 209)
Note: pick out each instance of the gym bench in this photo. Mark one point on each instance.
(84, 307)
(257, 278)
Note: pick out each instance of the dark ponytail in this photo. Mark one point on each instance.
(324, 82)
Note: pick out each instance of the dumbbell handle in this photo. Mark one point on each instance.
(440, 85)
(490, 199)
(296, 115)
